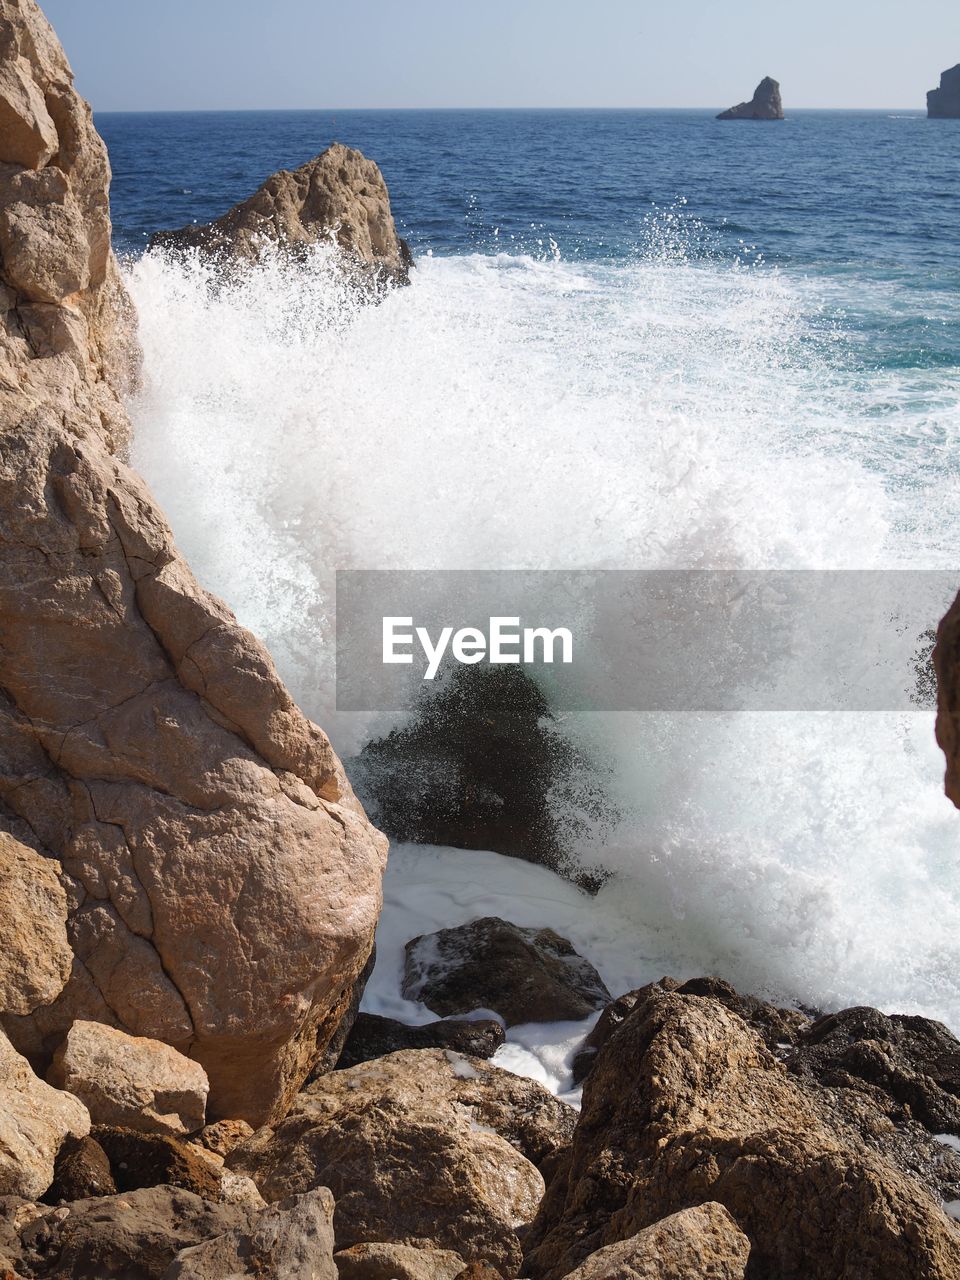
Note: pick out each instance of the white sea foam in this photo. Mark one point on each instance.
(504, 412)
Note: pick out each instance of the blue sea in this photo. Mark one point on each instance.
(634, 339)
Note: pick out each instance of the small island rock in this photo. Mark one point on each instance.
(765, 104)
(944, 103)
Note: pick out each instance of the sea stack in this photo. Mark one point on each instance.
(766, 104)
(944, 103)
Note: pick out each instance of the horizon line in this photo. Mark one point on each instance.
(143, 111)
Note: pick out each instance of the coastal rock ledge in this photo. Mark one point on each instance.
(221, 882)
(766, 104)
(944, 103)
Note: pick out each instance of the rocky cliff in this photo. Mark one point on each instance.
(944, 103)
(766, 104)
(338, 196)
(221, 883)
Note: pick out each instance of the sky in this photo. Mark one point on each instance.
(152, 55)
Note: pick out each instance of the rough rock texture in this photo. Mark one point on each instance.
(291, 1239)
(339, 196)
(148, 1159)
(130, 1081)
(397, 1262)
(34, 1120)
(373, 1037)
(475, 767)
(35, 956)
(416, 1148)
(684, 1105)
(223, 882)
(765, 104)
(944, 103)
(222, 1136)
(703, 1242)
(524, 975)
(134, 1236)
(82, 1170)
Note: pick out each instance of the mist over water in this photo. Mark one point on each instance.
(671, 408)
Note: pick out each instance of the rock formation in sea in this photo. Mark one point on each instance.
(220, 883)
(338, 196)
(944, 103)
(765, 104)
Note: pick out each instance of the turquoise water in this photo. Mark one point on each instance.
(633, 340)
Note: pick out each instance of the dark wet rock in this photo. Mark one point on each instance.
(911, 1063)
(765, 104)
(151, 1159)
(81, 1171)
(339, 196)
(476, 768)
(685, 1105)
(944, 103)
(134, 1236)
(524, 975)
(373, 1037)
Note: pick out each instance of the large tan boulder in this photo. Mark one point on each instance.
(339, 196)
(130, 1081)
(291, 1239)
(379, 1261)
(703, 1242)
(223, 881)
(34, 1120)
(684, 1105)
(419, 1148)
(35, 956)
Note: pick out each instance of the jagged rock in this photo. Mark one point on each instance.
(944, 103)
(140, 1160)
(421, 1147)
(34, 1120)
(946, 662)
(81, 1171)
(700, 1242)
(475, 767)
(765, 104)
(524, 975)
(397, 1262)
(134, 1236)
(339, 196)
(35, 959)
(224, 883)
(222, 1136)
(129, 1081)
(293, 1238)
(373, 1037)
(686, 1104)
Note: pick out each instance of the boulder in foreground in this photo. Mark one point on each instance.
(339, 196)
(703, 1242)
(944, 103)
(766, 104)
(130, 1081)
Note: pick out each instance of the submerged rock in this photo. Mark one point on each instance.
(701, 1242)
(765, 104)
(374, 1037)
(524, 975)
(223, 883)
(944, 103)
(685, 1105)
(339, 196)
(419, 1147)
(130, 1081)
(483, 764)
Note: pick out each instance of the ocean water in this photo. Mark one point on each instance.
(633, 340)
